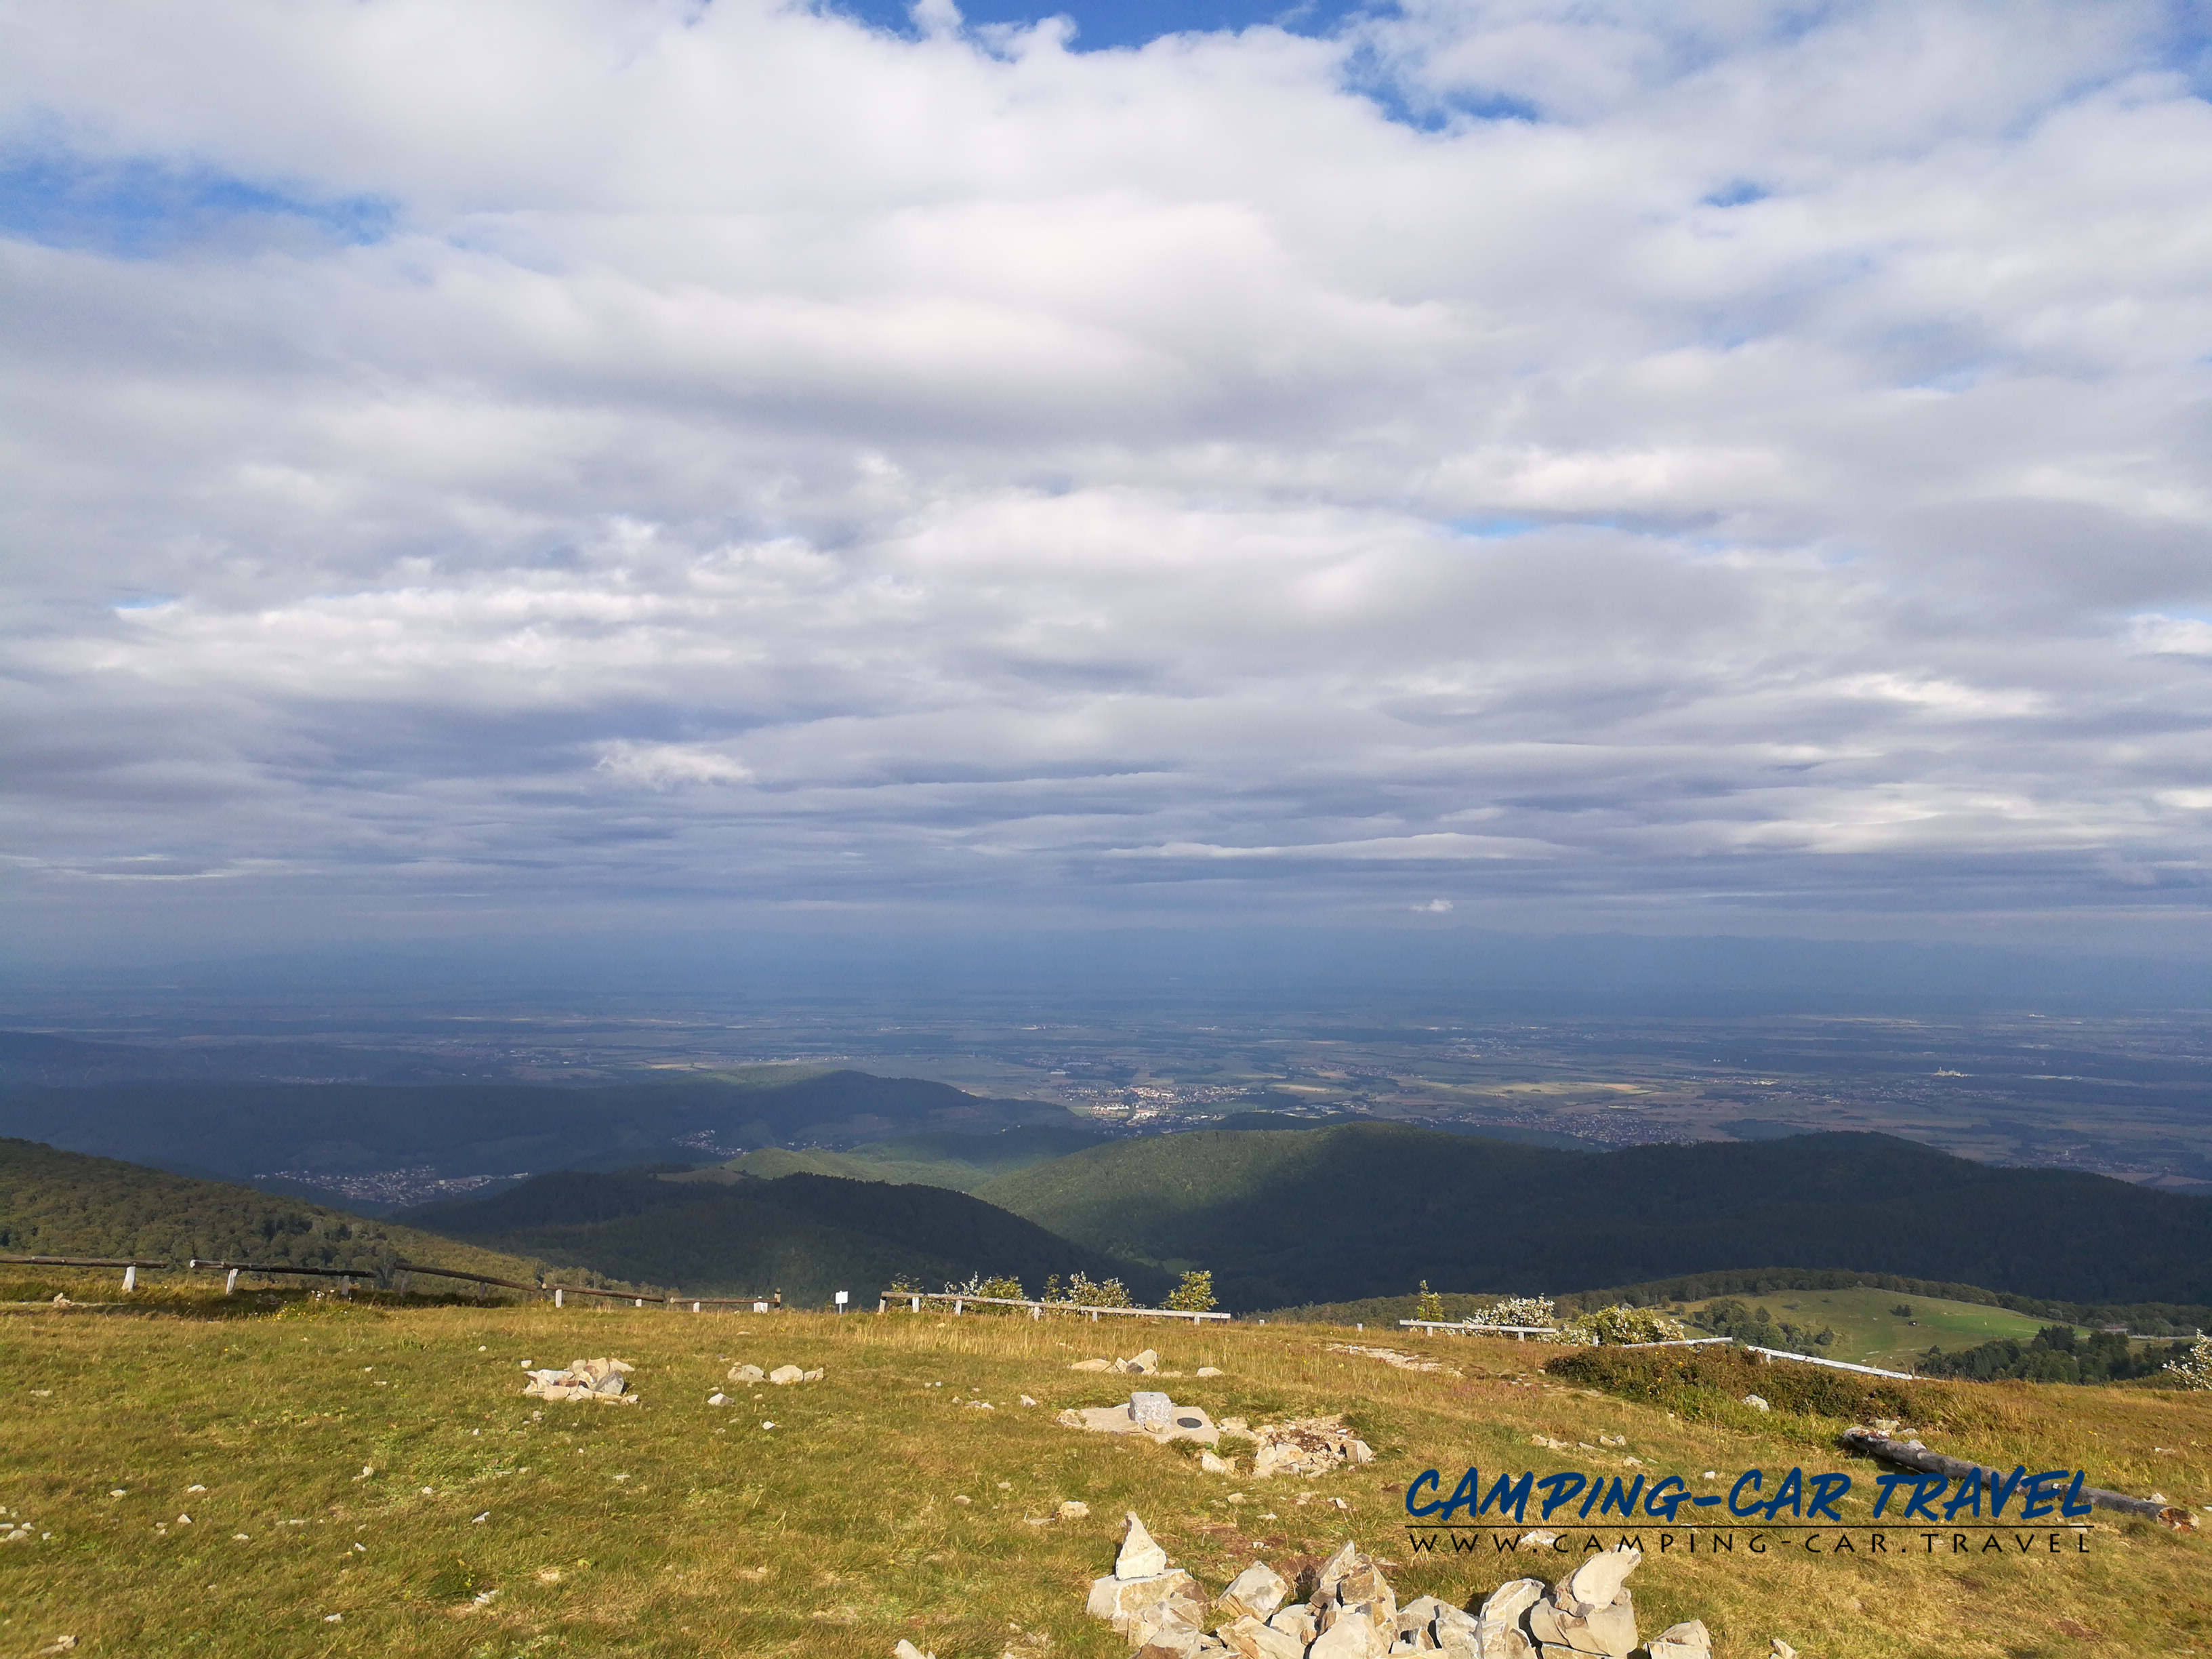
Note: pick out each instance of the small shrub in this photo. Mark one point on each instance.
(1902, 1309)
(1195, 1293)
(1708, 1385)
(1621, 1325)
(1005, 1285)
(1086, 1292)
(1430, 1305)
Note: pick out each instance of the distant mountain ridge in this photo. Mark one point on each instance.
(239, 1131)
(61, 1203)
(808, 1234)
(1288, 1217)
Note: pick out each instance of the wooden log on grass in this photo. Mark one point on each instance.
(1911, 1454)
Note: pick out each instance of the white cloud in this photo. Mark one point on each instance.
(1735, 455)
(666, 765)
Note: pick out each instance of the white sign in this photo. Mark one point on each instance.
(844, 1296)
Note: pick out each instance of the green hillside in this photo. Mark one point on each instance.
(808, 1234)
(1291, 1217)
(959, 1162)
(245, 1130)
(58, 1203)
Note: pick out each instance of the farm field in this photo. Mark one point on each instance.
(373, 1482)
(1869, 1333)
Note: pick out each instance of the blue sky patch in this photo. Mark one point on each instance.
(142, 208)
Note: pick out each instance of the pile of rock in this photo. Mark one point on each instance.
(603, 1380)
(1354, 1613)
(1306, 1446)
(782, 1376)
(1146, 1364)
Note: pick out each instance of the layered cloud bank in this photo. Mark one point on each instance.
(1679, 464)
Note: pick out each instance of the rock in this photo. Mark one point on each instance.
(1756, 1403)
(1073, 1509)
(814, 1375)
(1416, 1629)
(1598, 1580)
(1139, 1558)
(1781, 1649)
(1297, 1620)
(1350, 1579)
(1688, 1640)
(1168, 1625)
(907, 1649)
(1152, 1410)
(1507, 1644)
(1305, 1446)
(1212, 1465)
(1256, 1591)
(1185, 1423)
(1209, 1371)
(1506, 1606)
(1609, 1630)
(1349, 1638)
(1143, 1366)
(783, 1376)
(718, 1398)
(603, 1380)
(1252, 1639)
(753, 1374)
(1118, 1600)
(1092, 1366)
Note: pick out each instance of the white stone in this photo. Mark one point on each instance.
(1140, 1558)
(1756, 1403)
(1598, 1580)
(783, 1376)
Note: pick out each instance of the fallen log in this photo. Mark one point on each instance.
(1911, 1454)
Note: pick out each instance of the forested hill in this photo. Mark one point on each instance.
(808, 1235)
(58, 1203)
(1284, 1217)
(245, 1130)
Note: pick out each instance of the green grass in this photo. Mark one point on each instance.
(674, 1527)
(1869, 1334)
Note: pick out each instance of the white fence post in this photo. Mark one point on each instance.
(130, 1276)
(230, 1282)
(557, 1294)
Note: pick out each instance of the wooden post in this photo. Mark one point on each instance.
(695, 1307)
(1037, 1310)
(557, 1296)
(1094, 1315)
(130, 1276)
(230, 1282)
(956, 1305)
(917, 1304)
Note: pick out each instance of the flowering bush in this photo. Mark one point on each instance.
(2196, 1371)
(1533, 1312)
(1620, 1325)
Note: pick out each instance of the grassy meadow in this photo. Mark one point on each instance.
(374, 1482)
(1870, 1332)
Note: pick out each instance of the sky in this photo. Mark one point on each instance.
(651, 467)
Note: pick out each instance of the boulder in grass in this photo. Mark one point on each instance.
(783, 1375)
(752, 1374)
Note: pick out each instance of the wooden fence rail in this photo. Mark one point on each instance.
(1464, 1327)
(960, 1301)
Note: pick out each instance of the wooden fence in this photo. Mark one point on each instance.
(961, 1300)
(772, 1303)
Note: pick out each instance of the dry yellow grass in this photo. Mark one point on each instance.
(677, 1527)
